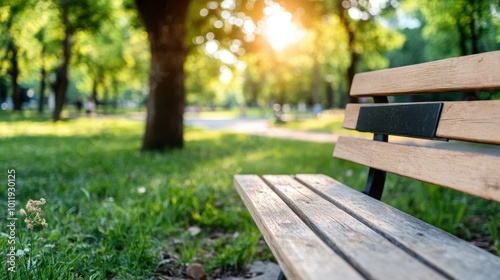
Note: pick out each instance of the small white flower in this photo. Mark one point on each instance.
(34, 213)
(141, 190)
(20, 253)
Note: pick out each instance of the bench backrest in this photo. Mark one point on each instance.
(476, 173)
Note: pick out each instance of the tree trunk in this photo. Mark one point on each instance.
(14, 75)
(41, 99)
(329, 96)
(93, 95)
(255, 94)
(280, 86)
(462, 38)
(62, 75)
(473, 26)
(115, 95)
(105, 99)
(351, 71)
(344, 18)
(316, 80)
(43, 79)
(165, 25)
(3, 90)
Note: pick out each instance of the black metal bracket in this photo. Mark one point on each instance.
(376, 178)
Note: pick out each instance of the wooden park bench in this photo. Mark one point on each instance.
(318, 228)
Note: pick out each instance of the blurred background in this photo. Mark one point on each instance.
(240, 55)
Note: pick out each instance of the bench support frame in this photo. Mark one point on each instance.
(376, 178)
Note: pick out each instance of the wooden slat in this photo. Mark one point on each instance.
(372, 254)
(475, 174)
(455, 257)
(473, 72)
(300, 253)
(476, 121)
(351, 116)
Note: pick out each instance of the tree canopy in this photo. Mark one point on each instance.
(223, 53)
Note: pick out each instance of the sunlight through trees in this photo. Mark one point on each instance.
(230, 53)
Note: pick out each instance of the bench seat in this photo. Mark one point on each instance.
(318, 228)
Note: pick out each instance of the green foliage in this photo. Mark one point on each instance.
(203, 83)
(84, 14)
(110, 46)
(107, 47)
(411, 52)
(41, 50)
(455, 28)
(115, 56)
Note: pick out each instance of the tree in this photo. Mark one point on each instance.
(367, 38)
(202, 78)
(457, 28)
(34, 33)
(75, 15)
(14, 9)
(102, 54)
(165, 23)
(39, 52)
(360, 36)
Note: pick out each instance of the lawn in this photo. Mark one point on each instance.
(330, 121)
(116, 213)
(231, 114)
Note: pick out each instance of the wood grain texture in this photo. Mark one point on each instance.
(457, 258)
(466, 73)
(300, 253)
(475, 121)
(373, 255)
(351, 116)
(475, 174)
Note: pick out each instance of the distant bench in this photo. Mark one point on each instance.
(319, 228)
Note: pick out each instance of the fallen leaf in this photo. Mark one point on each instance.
(196, 272)
(216, 273)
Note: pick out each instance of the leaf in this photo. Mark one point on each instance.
(86, 192)
(196, 272)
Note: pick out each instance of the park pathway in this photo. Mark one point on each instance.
(261, 127)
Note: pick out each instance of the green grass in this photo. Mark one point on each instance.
(103, 226)
(233, 113)
(330, 122)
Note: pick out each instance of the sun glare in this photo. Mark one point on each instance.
(280, 30)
